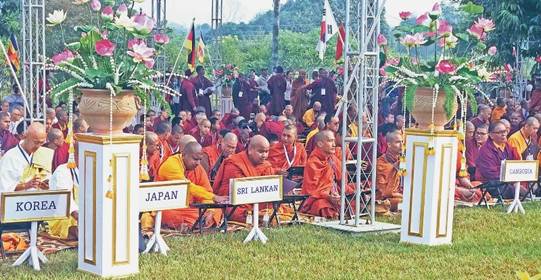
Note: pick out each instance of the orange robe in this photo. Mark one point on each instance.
(278, 159)
(165, 150)
(239, 166)
(320, 175)
(13, 242)
(497, 113)
(153, 164)
(387, 177)
(463, 193)
(213, 153)
(199, 191)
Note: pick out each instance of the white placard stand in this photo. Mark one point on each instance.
(256, 233)
(516, 205)
(109, 204)
(32, 254)
(429, 187)
(156, 242)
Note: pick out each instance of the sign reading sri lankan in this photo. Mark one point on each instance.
(519, 170)
(250, 190)
(156, 196)
(32, 206)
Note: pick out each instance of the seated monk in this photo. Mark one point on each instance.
(322, 175)
(186, 165)
(465, 190)
(287, 152)
(163, 130)
(310, 116)
(499, 111)
(153, 153)
(202, 133)
(249, 163)
(496, 149)
(214, 155)
(387, 176)
(524, 140)
(474, 145)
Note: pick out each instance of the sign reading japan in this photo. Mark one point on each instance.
(519, 170)
(250, 190)
(30, 206)
(163, 195)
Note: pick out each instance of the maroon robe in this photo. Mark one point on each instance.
(62, 127)
(188, 100)
(202, 83)
(203, 140)
(478, 122)
(535, 102)
(243, 101)
(7, 140)
(61, 155)
(327, 100)
(277, 87)
(299, 99)
(488, 162)
(271, 127)
(472, 152)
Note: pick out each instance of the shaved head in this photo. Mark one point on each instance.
(192, 148)
(151, 138)
(192, 155)
(184, 141)
(229, 143)
(258, 149)
(35, 137)
(326, 141)
(54, 134)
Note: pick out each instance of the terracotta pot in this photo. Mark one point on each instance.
(95, 107)
(422, 109)
(227, 91)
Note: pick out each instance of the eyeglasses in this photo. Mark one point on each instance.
(501, 132)
(481, 133)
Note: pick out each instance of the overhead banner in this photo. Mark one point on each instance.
(164, 195)
(34, 206)
(250, 190)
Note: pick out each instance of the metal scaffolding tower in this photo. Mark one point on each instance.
(216, 25)
(159, 11)
(360, 113)
(33, 58)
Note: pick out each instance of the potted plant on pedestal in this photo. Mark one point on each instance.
(433, 83)
(111, 64)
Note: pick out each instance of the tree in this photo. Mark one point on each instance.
(275, 29)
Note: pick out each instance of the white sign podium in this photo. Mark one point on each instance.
(108, 204)
(254, 190)
(516, 171)
(429, 187)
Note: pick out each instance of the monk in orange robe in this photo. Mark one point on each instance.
(214, 155)
(153, 154)
(499, 111)
(287, 152)
(249, 163)
(163, 130)
(322, 175)
(187, 166)
(465, 189)
(387, 176)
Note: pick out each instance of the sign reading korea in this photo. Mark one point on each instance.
(519, 170)
(33, 206)
(250, 190)
(164, 195)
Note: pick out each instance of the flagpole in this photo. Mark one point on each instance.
(23, 94)
(178, 55)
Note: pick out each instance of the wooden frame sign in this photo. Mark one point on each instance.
(519, 170)
(250, 190)
(163, 195)
(34, 206)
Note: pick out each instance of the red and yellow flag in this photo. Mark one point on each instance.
(13, 52)
(189, 44)
(201, 49)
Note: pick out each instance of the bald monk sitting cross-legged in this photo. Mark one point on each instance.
(322, 175)
(186, 165)
(214, 155)
(387, 176)
(249, 163)
(288, 152)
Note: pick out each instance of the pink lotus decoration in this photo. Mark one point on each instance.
(66, 55)
(134, 41)
(404, 15)
(492, 51)
(105, 47)
(444, 28)
(95, 5)
(143, 24)
(422, 19)
(122, 10)
(381, 40)
(480, 28)
(161, 38)
(445, 67)
(142, 53)
(413, 40)
(107, 13)
(538, 59)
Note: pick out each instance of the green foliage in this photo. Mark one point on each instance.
(409, 97)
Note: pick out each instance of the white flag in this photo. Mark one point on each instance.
(328, 29)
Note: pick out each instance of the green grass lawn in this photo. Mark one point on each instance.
(488, 244)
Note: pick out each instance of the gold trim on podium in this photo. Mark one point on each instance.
(104, 139)
(114, 167)
(440, 193)
(424, 132)
(92, 155)
(423, 190)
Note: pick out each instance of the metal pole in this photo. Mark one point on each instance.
(44, 80)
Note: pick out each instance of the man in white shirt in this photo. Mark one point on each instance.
(17, 116)
(17, 159)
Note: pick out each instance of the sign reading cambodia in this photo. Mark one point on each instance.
(155, 196)
(250, 190)
(519, 170)
(33, 206)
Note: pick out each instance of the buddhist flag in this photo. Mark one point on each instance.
(201, 49)
(340, 42)
(328, 29)
(189, 44)
(13, 52)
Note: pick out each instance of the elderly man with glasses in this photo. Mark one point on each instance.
(473, 145)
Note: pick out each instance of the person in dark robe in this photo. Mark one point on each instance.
(483, 116)
(277, 86)
(473, 146)
(299, 96)
(242, 97)
(324, 90)
(516, 122)
(535, 101)
(62, 123)
(203, 87)
(202, 133)
(7, 140)
(188, 100)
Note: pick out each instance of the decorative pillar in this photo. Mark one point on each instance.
(429, 187)
(108, 204)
